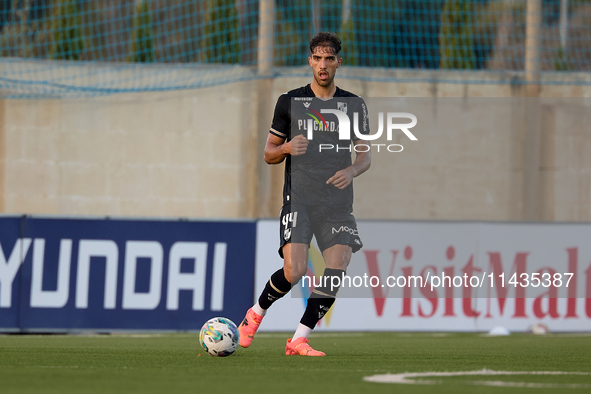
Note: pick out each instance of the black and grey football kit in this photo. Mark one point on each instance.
(311, 207)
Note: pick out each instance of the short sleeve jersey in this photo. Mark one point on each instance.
(306, 175)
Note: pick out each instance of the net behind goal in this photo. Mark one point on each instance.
(85, 48)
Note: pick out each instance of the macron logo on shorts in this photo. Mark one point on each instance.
(346, 229)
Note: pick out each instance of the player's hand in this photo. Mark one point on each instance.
(342, 178)
(298, 145)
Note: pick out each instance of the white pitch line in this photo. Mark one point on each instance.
(313, 335)
(51, 366)
(65, 367)
(409, 378)
(137, 335)
(495, 383)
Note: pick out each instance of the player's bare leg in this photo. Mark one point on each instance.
(337, 260)
(295, 264)
(338, 257)
(295, 261)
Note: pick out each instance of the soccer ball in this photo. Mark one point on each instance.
(219, 337)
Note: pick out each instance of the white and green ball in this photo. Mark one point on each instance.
(219, 337)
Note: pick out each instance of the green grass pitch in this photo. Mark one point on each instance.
(175, 363)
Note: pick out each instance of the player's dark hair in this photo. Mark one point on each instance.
(326, 39)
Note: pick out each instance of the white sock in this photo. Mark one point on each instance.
(258, 310)
(301, 332)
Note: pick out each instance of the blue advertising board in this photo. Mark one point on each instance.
(91, 274)
(10, 258)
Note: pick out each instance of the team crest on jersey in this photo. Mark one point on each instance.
(287, 234)
(307, 105)
(342, 107)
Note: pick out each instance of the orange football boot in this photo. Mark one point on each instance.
(249, 327)
(300, 347)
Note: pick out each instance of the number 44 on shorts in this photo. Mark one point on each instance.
(289, 221)
(289, 217)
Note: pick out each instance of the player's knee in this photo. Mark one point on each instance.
(338, 257)
(294, 272)
(298, 272)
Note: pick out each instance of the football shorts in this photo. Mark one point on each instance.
(330, 225)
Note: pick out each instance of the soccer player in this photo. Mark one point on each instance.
(317, 193)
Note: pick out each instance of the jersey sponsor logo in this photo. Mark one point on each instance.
(346, 229)
(318, 126)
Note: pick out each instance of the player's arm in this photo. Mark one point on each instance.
(344, 177)
(276, 149)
